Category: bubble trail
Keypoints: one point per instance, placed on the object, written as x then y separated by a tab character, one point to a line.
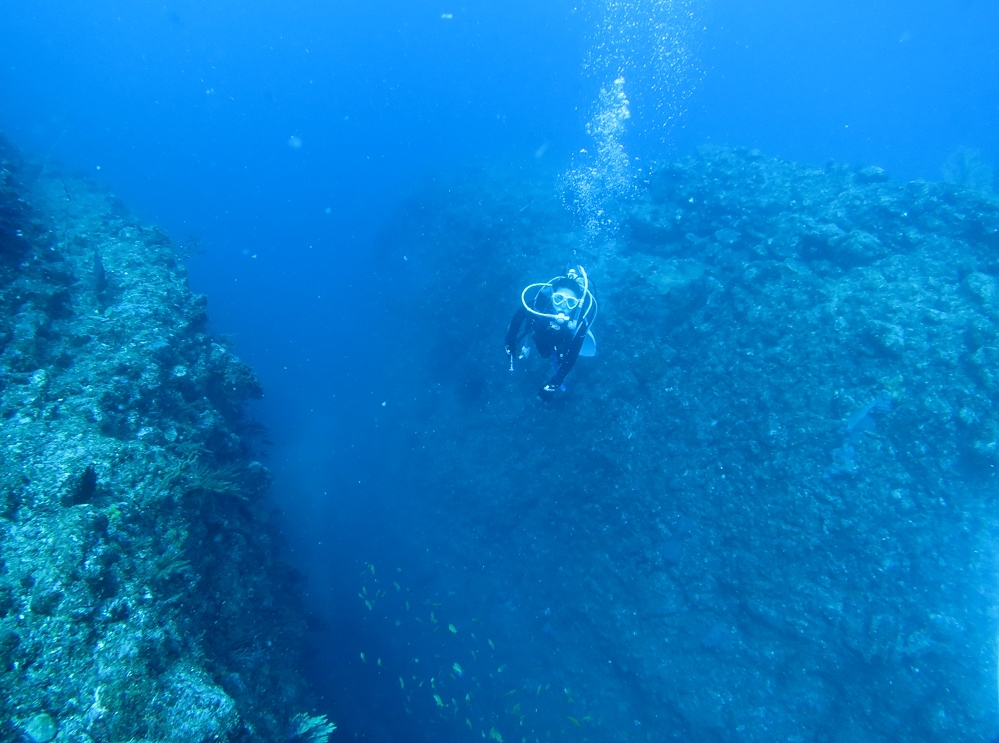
651	44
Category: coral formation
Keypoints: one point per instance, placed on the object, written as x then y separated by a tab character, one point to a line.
700	561
139	594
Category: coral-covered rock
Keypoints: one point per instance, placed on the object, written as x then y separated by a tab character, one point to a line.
136	555
765	510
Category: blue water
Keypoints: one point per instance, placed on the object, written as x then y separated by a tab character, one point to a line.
282	138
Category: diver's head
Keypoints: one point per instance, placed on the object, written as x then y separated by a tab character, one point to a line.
565	300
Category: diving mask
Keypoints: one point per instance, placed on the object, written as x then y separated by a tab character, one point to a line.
564	301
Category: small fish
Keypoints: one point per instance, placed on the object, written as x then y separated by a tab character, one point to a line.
588	718
568	695
364	590
516	710
371	567
511	692
433	618
453	630
398	570
457	669
368	604
575	722
363	659
477	621
379	662
402	684
473	654
397	586
437	698
495	735
469	723
468	698
436	606
407	606
539	690
492	645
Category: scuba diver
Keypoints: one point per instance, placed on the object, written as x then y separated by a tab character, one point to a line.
559	314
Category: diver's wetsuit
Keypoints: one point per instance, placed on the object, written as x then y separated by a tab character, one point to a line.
549	337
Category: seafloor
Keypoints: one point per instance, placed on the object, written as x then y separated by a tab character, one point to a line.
140	598
765	511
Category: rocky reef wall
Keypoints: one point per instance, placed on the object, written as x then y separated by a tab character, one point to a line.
766	510
140	594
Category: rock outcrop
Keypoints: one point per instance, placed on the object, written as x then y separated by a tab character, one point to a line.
140	595
766	509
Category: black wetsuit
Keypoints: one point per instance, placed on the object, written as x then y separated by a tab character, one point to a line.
550	338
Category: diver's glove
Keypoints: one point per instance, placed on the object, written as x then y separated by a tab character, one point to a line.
547	392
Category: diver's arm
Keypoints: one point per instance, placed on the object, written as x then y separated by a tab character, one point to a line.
511	335
569	357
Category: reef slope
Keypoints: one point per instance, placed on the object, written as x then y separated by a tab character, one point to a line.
766	509
140	597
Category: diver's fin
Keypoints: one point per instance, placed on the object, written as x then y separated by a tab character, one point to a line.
589	345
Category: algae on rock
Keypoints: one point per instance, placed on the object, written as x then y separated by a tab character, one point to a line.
140	595
769	499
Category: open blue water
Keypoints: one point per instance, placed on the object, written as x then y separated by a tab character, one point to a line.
284	139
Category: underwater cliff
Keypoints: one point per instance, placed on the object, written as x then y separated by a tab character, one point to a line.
766	510
140	595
